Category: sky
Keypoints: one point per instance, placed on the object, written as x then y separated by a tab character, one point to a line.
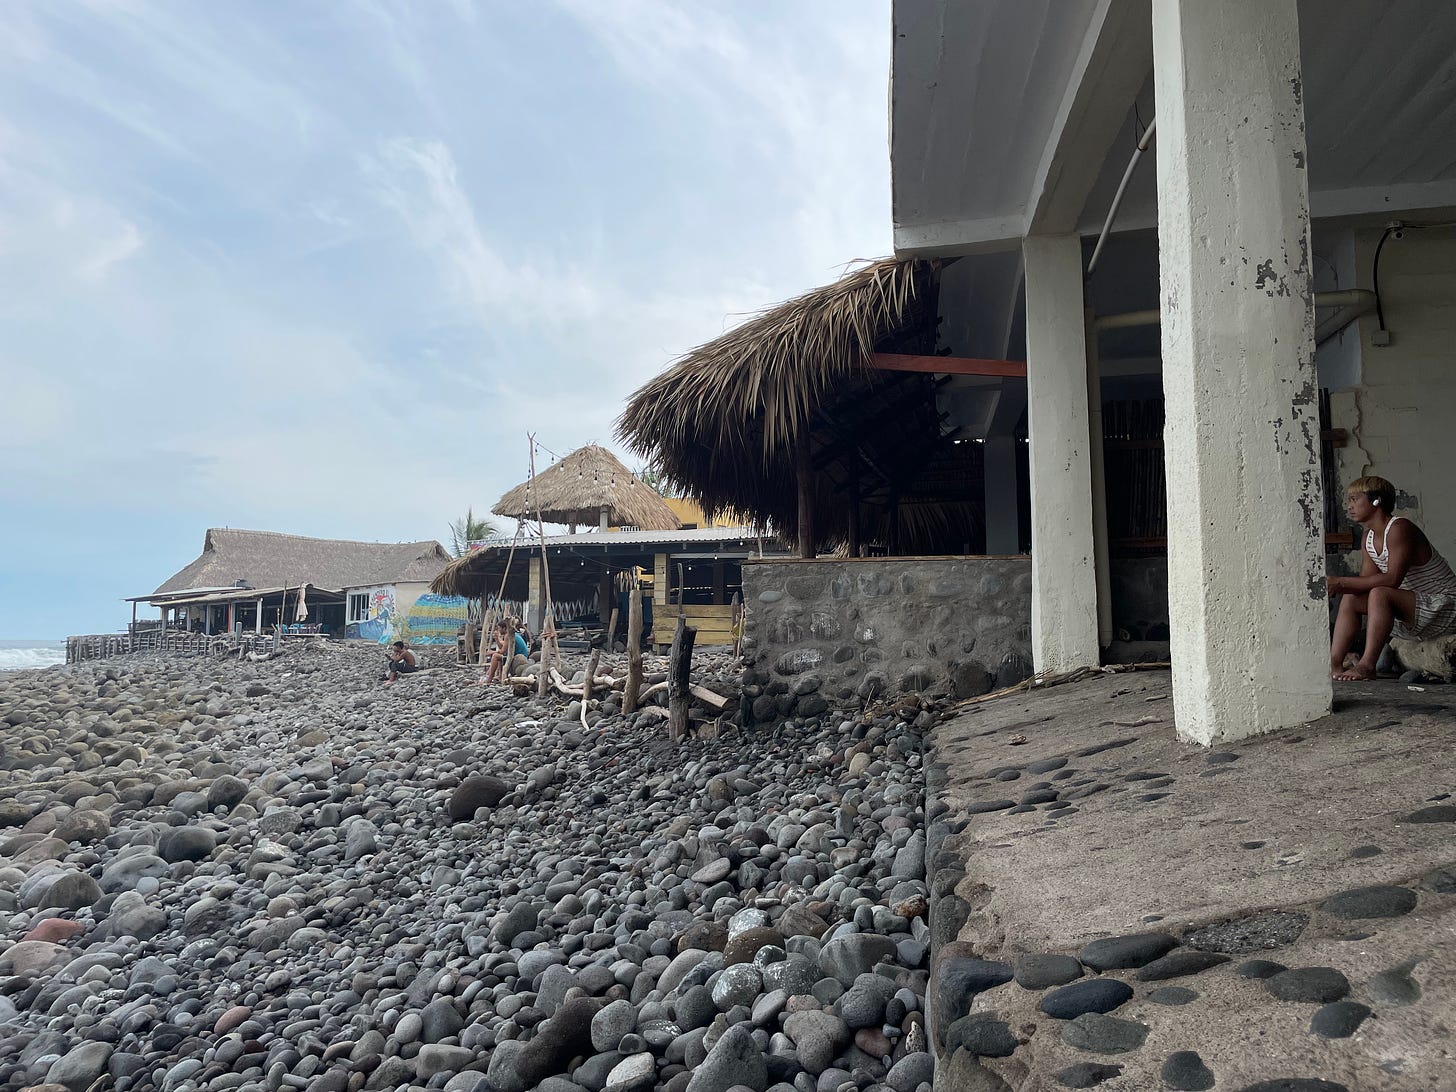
320	268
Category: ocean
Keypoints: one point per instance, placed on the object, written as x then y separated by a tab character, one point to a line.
24	655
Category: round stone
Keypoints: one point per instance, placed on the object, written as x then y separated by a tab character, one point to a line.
1379	901
1317	984
981	1036
1039	971
1259	969
737	985
1099	1034
1177	964
1172	995
1338	1020
1184	1070
1120	953
1087	1074
1094	995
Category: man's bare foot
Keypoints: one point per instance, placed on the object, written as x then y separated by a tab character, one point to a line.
1358	673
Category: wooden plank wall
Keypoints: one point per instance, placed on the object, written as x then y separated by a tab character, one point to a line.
714	623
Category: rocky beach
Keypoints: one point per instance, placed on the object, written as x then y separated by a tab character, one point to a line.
283	875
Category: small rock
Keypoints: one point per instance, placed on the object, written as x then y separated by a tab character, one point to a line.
1087	1074
1094	995
1037	972
1184	1070
1177	964
1101	1034
1338	1020
1380	901
1318	984
1120	953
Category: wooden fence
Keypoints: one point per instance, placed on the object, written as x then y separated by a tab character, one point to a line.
102	646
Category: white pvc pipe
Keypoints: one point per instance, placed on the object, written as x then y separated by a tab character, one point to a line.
1137	154
1350	297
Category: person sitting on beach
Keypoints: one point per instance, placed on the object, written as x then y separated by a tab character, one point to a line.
1405	588
509	656
401	661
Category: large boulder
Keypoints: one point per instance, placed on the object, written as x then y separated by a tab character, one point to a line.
474	793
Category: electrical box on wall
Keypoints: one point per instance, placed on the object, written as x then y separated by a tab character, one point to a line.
1380	338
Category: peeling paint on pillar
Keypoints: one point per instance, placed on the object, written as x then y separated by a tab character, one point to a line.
1246	556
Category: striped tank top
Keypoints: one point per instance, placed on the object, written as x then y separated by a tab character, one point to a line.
1433	585
1433	578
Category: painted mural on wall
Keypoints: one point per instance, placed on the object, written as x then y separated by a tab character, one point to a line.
434	619
381	621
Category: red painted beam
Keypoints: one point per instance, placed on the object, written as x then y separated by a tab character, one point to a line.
948	365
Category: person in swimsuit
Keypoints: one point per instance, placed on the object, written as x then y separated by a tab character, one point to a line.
1405	588
510	654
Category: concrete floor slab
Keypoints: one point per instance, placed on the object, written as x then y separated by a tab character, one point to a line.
1149	834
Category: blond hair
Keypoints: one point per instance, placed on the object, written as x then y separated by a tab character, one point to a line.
1379	490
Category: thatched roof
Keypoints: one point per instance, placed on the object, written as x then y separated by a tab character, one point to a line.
727	420
576	489
266	559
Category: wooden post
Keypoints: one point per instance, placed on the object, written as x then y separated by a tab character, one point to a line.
548	622
806	499
634	647
606	605
679	678
739	617
258	621
854	531
720	582
586	687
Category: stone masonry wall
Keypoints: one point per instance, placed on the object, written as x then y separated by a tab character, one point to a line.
822	633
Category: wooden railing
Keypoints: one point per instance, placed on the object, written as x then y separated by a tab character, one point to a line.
102	646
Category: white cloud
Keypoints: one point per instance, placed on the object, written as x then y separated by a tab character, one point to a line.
323	273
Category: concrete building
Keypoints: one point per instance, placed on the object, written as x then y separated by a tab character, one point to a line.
1238	211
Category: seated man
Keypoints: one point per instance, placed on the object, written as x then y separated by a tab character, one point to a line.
511	652
1405	588
401	661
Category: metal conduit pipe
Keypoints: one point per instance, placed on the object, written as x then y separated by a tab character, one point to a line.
1137	154
1360	299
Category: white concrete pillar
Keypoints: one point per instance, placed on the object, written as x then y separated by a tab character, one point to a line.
1246	570
1002	499
1063	573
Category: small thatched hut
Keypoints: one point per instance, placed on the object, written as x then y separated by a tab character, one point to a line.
589	487
795	419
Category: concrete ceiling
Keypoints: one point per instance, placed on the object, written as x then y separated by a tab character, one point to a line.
989	98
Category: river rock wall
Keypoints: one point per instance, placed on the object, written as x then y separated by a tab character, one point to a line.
829	631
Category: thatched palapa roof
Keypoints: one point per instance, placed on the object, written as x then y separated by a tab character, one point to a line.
729	420
580	485
266	559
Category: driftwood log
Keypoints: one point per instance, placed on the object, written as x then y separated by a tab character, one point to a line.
634	650
679	678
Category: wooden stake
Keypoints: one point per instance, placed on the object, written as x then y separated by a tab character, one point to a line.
586	687
634	646
679	678
549	647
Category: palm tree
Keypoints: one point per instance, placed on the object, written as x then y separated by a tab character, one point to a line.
468	529
655	480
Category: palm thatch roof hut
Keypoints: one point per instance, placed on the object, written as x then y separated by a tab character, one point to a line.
591	487
788	419
269	559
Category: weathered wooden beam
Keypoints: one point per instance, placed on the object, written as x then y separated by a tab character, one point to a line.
634	647
948	365
679	678
806	500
